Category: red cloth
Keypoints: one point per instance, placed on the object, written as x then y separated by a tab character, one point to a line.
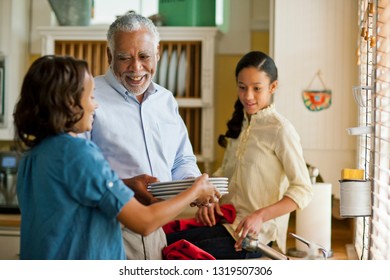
229	214
184	250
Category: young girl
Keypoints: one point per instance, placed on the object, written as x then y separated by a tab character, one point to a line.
268	177
72	203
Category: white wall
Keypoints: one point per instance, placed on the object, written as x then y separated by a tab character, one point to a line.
237	39
241	17
41	15
14	19
318	35
105	13
260	15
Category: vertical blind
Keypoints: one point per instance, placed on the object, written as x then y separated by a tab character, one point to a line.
380	247
373	233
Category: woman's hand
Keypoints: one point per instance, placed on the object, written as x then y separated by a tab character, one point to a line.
251	226
207	193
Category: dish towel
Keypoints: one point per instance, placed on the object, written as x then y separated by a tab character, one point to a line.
185	250
229	214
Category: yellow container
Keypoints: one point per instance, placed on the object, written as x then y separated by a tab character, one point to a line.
352	174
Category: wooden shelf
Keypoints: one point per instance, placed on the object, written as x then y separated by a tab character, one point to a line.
196	103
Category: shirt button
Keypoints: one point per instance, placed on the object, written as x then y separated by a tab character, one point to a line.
110	184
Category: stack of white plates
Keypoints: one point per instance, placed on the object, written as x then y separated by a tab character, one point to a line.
166	190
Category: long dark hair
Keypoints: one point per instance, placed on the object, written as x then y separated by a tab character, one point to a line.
261	62
49	101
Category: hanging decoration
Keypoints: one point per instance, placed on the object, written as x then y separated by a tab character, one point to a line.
317	99
366	31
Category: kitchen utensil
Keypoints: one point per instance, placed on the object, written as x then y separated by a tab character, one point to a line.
172	72
181	74
254	245
8	173
163	69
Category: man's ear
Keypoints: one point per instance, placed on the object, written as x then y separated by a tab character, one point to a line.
109	55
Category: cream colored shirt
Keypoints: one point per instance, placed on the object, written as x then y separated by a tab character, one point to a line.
264	164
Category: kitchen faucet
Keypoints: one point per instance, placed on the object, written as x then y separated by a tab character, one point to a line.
254	245
314	248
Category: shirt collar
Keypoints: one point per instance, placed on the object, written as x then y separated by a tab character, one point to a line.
261	113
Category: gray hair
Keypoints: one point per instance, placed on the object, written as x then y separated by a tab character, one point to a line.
131	21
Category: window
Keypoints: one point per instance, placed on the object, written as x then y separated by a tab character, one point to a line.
105	11
373	233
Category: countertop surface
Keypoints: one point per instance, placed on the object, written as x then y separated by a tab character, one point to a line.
9	220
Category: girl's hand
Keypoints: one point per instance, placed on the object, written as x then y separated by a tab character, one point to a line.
250	225
206	215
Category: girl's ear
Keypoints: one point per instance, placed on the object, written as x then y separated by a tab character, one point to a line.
273	86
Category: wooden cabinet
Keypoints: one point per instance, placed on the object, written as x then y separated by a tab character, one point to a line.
186	68
9	236
9	243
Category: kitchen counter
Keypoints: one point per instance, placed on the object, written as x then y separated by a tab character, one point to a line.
9	220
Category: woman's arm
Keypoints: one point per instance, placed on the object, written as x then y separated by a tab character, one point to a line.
146	219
